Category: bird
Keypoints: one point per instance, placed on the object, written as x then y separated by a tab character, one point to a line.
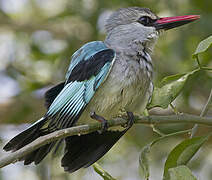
104	79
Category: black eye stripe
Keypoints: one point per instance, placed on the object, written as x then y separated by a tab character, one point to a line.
146	20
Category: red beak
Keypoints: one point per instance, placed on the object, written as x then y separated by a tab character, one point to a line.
172	22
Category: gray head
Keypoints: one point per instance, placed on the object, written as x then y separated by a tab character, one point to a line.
134	25
129	15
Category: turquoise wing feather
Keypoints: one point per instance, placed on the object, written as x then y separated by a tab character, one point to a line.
88	69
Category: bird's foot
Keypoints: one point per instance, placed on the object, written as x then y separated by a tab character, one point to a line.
130	121
101	119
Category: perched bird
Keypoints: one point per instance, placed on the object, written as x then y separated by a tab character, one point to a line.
103	80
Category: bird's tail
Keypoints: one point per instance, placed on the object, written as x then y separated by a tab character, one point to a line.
84	150
26	137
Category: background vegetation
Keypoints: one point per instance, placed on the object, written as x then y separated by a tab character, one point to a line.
37	39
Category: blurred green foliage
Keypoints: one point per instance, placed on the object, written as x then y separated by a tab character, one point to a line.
37	39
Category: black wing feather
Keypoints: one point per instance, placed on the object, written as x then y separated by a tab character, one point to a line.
82	151
85	69
52	93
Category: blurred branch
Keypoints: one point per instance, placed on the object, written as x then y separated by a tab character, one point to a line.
58	31
84	129
207	106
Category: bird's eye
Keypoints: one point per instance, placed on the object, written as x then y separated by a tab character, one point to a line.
146	20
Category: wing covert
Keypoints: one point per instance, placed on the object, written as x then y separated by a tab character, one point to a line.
85	53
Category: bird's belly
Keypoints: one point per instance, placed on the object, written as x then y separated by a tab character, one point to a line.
104	103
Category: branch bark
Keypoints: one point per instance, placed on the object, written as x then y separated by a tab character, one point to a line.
84	129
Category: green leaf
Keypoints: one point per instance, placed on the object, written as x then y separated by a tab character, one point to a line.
144	156
183	152
170	88
169	79
181	173
105	175
203	46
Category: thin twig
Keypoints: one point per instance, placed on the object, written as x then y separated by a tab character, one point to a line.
203	113
206	68
84	129
198	61
174	108
154	128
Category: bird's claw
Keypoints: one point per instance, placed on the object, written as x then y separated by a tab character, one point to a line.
101	119
104	127
131	120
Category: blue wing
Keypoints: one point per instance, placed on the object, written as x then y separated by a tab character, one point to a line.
88	69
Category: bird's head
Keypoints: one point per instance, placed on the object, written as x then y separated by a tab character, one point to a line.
141	25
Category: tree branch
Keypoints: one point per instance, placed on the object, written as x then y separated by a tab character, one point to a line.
84	129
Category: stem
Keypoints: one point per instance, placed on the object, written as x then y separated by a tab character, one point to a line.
174	108
197	58
155	129
206	68
169	135
105	175
203	113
